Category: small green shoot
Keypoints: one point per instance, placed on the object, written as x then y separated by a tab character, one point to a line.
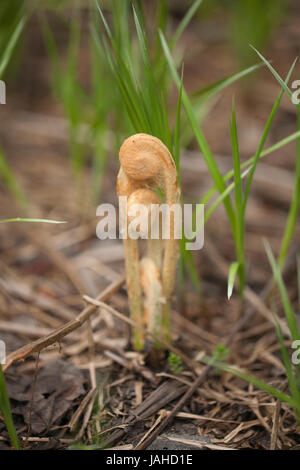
6	412
294	206
175	363
10	180
288	309
221	352
233	269
5	58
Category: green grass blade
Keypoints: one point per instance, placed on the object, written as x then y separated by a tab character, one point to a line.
236	164
220	198
203	99
298	277
288	310
124	78
207	92
177	129
294	207
238	197
211	192
155	105
11	182
276	75
264	137
120	17
293	386
11	45
260	384
6	412
187	263
233	269
184	22
143	101
107	28
200	138
20	219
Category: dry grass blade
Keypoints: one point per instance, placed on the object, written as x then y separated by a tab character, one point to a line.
81	408
274	435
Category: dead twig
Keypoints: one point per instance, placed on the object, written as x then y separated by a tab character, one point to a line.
81	408
274	434
59	333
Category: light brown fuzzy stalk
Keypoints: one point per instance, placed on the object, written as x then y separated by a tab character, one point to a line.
152	288
124	188
146	164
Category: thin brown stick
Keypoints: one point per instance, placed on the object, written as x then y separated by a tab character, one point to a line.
64	330
32	394
274	434
81	409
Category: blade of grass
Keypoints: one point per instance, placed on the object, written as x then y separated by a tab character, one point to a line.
288	310
254	160
155	103
210	193
264	137
187	263
126	82
203	94
177	130
144	104
160	61
239	227
6	412
11	44
120	17
276	75
293	386
20	219
294	206
200	138
233	269
11	182
204	98
250	379
184	23
298	277
220	199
